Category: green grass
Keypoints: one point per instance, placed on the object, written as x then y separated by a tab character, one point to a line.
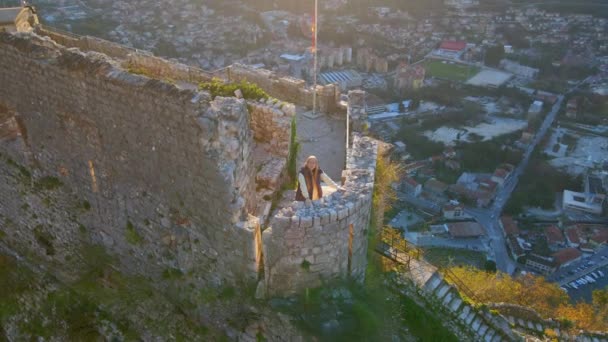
453	72
445	256
422	325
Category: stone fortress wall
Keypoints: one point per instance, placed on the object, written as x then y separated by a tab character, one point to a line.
168	167
305	246
288	89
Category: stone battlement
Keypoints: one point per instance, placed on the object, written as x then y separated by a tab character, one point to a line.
305	246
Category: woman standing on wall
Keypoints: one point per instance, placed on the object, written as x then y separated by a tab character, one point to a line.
309	181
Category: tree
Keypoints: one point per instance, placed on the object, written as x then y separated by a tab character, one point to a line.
494	55
490	266
600	299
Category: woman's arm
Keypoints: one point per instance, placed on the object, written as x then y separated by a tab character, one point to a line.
302	183
325	178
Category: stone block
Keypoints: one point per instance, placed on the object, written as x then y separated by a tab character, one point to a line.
306	221
470	318
442	291
325	218
433	282
455	304
447	299
489	335
476	324
482	330
530	325
464	313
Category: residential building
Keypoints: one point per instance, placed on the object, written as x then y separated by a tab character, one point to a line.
573	238
500	176
514	247
509	226
566	257
435	187
411	186
465	230
409	76
439	229
542	265
588	203
600	237
454	212
572	108
555	238
535	109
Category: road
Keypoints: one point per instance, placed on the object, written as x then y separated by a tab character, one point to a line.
490	218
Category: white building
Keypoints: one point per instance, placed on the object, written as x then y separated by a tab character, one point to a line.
589	203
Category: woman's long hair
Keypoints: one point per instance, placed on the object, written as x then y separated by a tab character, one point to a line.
316	170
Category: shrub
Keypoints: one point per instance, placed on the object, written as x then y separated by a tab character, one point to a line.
44	239
47	183
305	265
86	205
132	235
172	273
250	91
292	159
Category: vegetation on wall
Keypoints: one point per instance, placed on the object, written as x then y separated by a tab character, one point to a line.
218	87
536	293
292	159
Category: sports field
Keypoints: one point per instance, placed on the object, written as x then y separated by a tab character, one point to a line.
454	71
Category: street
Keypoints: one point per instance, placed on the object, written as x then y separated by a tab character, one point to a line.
490	218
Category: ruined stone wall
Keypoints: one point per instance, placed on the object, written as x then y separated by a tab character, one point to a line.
305	246
271	124
287	88
164	69
85	43
166	173
357	110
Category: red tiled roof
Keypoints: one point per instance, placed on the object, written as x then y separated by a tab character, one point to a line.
435	185
507	167
509	225
501	173
572	234
566	255
488	184
600	236
453	45
517	250
554	235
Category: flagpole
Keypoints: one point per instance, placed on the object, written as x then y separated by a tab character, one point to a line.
314	48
